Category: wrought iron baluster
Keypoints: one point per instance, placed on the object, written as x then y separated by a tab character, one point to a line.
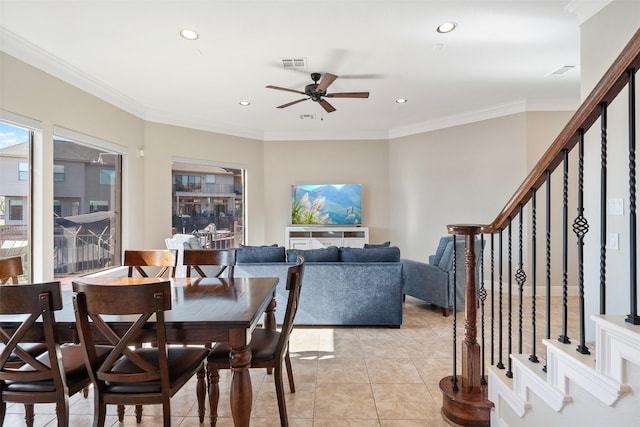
509	372
581	227
603	208
533	357
548	254
565	263
521	277
500	365
454	377
493	316
483	297
633	262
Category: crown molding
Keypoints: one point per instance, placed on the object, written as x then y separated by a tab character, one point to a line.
33	55
585	9
491	112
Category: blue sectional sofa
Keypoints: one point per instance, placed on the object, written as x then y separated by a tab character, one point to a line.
341	286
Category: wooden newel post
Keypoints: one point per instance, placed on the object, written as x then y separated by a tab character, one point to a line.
467	405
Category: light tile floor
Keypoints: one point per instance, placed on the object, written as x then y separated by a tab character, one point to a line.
351	377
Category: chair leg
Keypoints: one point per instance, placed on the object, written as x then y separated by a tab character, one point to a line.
213	379
282	405
28	414
166	412
62	412
200	392
445	311
138	414
287	362
121	413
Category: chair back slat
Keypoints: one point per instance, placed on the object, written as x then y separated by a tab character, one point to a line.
223	258
165	259
295	274
10	270
94	302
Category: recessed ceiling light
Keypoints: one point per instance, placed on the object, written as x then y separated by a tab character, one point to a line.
244	103
401	100
189	34
447	27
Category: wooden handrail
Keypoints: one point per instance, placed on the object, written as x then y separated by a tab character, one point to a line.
605	91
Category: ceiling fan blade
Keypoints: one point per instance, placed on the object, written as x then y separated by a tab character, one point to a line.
326	80
348	95
327	107
284	88
291	103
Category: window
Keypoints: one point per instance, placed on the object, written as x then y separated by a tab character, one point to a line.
58	173
16	210
86	205
188	183
216	213
15	189
23	171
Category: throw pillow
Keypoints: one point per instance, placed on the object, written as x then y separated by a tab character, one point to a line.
247	255
377	245
390	254
330	254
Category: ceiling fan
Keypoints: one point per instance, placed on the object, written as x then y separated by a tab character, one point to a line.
318	91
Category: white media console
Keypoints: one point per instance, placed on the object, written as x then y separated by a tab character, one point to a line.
301	237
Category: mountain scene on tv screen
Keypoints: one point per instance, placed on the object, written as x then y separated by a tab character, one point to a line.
326	204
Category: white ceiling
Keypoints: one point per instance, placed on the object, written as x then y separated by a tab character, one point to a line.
129	53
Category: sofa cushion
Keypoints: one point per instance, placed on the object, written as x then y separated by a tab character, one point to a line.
329	254
391	254
446	260
377	245
257	254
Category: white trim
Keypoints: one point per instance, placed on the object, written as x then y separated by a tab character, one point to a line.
26	122
201	162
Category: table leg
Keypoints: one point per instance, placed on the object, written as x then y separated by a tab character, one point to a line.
241	391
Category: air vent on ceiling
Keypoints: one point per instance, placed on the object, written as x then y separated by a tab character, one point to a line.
297	62
307	116
561	70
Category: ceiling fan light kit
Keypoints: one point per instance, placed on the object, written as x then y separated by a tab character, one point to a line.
317	91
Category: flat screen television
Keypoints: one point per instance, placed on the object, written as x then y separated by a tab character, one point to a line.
329	204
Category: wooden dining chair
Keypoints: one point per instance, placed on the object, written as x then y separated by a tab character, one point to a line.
137	262
51	377
10	270
149	375
194	259
269	349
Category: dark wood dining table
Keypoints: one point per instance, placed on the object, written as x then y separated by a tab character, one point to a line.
203	311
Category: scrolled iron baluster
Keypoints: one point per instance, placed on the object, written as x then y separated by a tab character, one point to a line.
633	261
521	277
483	296
492	302
581	228
454	377
509	372
565	219
500	365
603	208
533	357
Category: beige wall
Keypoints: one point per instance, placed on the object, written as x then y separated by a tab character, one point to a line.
327	162
31	93
165	143
460	175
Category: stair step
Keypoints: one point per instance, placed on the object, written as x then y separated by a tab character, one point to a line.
530	377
